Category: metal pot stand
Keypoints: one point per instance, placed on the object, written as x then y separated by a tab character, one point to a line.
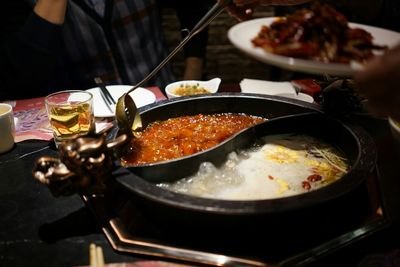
128	231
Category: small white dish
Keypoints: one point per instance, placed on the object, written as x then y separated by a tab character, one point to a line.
210	85
254	86
140	96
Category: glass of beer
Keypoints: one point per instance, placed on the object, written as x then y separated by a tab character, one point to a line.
70	114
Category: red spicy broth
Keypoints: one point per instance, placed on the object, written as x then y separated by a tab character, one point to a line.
183	136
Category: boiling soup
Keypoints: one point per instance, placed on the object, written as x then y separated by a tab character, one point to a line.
280	166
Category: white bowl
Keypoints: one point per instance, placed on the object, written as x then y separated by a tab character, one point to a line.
211	86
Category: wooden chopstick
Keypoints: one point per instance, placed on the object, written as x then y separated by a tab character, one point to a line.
96	256
105	94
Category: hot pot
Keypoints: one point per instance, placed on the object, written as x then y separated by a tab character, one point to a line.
305	218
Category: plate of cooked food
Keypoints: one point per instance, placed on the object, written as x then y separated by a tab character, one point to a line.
317	40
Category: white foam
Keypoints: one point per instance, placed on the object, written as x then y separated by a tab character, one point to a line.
276	169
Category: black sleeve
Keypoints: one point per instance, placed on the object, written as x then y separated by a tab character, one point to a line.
28	49
189	13
390	15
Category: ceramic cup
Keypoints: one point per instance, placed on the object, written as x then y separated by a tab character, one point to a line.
7	128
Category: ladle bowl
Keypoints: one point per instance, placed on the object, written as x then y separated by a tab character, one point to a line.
128	117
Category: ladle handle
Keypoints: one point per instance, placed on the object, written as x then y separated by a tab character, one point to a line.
204	22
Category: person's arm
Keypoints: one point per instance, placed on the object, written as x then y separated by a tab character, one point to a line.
269	2
243	9
379	83
366	10
52	11
189	13
28	46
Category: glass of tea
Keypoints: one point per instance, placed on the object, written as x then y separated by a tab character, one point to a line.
70	114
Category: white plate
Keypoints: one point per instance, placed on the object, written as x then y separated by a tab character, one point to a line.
141	96
242	33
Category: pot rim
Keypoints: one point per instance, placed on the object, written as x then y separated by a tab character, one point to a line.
276	98
171	101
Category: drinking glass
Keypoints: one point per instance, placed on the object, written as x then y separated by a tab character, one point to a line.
70	114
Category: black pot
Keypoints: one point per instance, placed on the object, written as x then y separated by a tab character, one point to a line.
302	219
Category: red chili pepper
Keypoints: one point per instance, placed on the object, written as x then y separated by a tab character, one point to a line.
314	178
306	185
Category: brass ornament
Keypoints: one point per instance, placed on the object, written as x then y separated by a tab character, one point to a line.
84	165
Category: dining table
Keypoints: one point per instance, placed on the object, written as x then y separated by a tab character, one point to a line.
40	229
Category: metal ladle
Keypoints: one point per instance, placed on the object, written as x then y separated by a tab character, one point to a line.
128	117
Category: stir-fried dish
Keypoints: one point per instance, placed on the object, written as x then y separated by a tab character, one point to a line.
319	33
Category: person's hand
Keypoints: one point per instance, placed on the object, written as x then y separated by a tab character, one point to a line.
243	9
51	10
270	2
379	83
